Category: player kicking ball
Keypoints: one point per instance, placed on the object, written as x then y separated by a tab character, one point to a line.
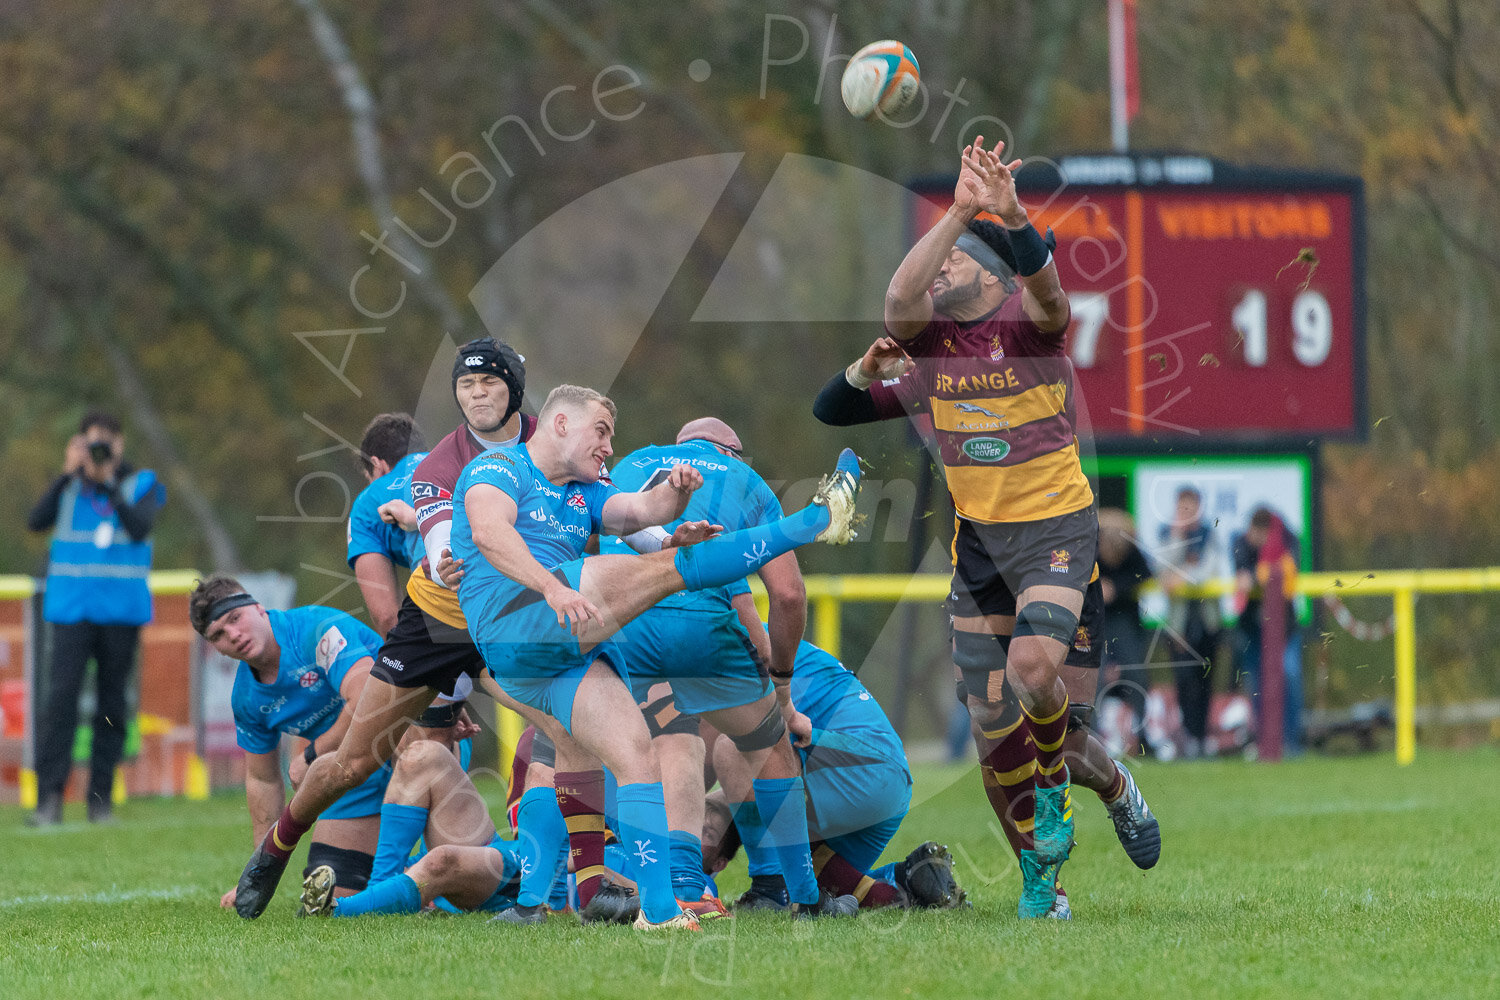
544	616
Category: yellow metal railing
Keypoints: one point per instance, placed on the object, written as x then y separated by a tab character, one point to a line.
828	594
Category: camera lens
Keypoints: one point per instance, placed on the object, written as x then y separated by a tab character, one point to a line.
100	451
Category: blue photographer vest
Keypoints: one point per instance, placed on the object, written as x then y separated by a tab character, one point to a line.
95	573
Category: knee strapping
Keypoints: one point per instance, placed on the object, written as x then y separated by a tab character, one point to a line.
351	869
663	719
1048	620
770	732
1080	716
977	655
543	752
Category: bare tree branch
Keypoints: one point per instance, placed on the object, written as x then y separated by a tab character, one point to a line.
368	159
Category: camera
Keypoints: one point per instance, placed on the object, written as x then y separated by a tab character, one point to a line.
101	451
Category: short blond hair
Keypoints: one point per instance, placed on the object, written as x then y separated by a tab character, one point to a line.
575	396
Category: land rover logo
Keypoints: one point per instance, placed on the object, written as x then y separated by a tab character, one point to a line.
986	449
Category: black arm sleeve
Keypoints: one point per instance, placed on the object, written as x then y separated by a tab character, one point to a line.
44	515
137	517
840	404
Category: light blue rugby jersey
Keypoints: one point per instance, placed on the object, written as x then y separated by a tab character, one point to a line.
318	647
368	533
732	494
836	702
555	522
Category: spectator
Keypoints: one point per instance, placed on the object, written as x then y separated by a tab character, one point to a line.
1266	541
1185	558
1122	571
96	601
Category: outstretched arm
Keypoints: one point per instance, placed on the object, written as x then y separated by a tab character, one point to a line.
908	299
845	399
492	518
1042	296
626	513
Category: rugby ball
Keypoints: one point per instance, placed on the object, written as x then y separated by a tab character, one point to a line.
881	79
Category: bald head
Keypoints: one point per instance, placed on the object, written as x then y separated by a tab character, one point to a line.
712	430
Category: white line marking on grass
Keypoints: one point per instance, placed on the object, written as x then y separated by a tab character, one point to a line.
1343	808
110	896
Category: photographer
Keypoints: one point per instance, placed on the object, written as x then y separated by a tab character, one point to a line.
96	600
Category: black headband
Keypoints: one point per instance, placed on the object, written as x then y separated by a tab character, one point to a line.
218	609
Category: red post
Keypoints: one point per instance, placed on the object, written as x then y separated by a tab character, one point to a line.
1271	569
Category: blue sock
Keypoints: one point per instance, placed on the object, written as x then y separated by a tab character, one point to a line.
753	838
400	828
885	873
783	807
730	557
394	895
557	896
647	847
688	882
539	830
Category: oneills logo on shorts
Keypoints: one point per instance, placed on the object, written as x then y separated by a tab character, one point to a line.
1060	560
395	665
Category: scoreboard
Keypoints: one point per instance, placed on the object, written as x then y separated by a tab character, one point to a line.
1212	304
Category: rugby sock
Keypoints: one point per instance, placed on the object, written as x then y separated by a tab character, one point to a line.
400	826
783	807
281	839
688	882
1008	769
580	799
540	827
643	835
396	895
752	838
723	560
1116	788
843	879
1048	733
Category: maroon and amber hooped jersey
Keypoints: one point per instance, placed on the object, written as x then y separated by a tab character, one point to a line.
432	497
1000	396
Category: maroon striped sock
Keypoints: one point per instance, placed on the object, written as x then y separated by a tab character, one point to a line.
1048	732
281	839
580	796
1008	769
843	879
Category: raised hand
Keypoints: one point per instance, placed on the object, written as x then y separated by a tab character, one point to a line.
996	179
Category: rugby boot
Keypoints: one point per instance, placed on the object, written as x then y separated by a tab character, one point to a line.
838	493
523	916
317	893
612	904
828	905
258	883
684	921
1137	828
1054	823
926	878
1038	887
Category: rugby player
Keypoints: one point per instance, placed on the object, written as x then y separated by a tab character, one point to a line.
544	616
301	673
981	310
382	525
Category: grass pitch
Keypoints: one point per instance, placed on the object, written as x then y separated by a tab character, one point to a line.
1314	878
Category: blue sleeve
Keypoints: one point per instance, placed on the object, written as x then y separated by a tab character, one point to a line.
367	532
770	507
598	495
334	642
146	482
498	470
